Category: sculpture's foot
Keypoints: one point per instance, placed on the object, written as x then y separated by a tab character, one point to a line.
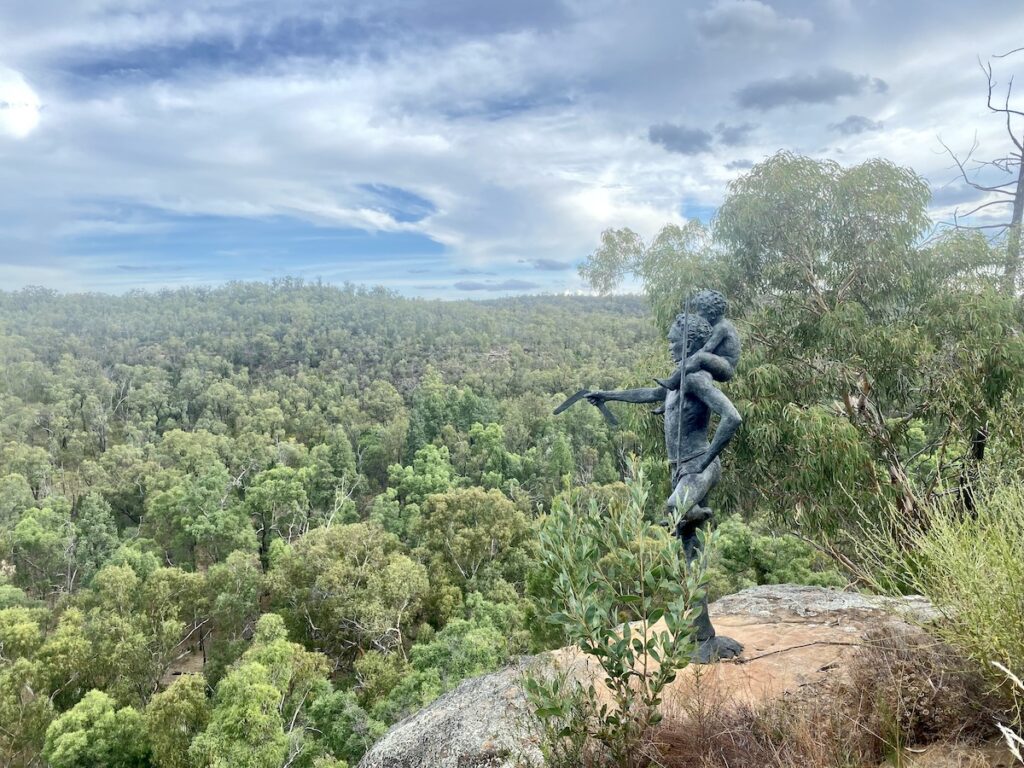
715	649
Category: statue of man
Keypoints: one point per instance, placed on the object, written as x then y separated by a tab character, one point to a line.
694	462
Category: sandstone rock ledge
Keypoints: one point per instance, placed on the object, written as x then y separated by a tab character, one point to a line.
794	637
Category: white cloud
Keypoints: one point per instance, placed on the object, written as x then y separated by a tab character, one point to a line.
527	141
19	105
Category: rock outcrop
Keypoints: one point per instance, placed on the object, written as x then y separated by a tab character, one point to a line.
794	638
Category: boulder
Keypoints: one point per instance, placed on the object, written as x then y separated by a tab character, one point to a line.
794	638
482	723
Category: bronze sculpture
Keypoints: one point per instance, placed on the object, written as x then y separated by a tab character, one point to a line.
703	355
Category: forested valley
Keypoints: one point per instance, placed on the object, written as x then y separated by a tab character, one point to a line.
257	524
295	490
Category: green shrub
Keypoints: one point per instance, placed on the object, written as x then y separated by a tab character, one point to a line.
625	597
969	564
95	734
744	557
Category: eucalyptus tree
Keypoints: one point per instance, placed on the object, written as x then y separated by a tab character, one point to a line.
874	359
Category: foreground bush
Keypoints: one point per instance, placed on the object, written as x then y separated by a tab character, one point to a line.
968	563
625	596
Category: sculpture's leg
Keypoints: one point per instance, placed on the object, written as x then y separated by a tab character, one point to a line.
711	647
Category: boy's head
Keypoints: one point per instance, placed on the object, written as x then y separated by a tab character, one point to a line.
711	305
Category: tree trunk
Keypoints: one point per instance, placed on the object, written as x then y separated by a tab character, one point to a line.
1013	234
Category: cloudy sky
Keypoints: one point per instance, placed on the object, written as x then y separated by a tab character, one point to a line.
447	147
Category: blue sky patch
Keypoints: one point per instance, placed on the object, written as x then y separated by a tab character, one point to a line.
212	249
401	204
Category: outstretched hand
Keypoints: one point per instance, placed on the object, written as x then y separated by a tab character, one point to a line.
596	398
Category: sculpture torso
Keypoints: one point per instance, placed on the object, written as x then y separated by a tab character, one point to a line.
691	436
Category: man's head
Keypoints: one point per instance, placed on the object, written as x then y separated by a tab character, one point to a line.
711	305
698	329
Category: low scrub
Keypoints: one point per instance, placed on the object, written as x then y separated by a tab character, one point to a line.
625	596
903	689
967	562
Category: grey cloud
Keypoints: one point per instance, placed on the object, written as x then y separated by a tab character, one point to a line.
953	194
418	271
504	285
734	135
680	138
822	87
296	137
548	265
467	271
749	20
856	124
739	165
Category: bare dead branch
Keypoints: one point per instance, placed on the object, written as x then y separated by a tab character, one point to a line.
1003	164
1009	117
986	205
983	226
987	69
963	170
1008	53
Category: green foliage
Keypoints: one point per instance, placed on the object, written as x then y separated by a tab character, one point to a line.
968	565
346	588
798	226
624	596
25	714
56	549
436	405
260	714
678	258
471	537
346	730
232	592
15	499
331	470
173	718
277	503
745	557
187	513
134	627
159	452
95	734
246	727
485	638
431	472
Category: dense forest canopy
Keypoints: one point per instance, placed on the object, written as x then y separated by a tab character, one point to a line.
363	471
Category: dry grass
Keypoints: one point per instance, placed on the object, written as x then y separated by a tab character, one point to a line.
904	689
